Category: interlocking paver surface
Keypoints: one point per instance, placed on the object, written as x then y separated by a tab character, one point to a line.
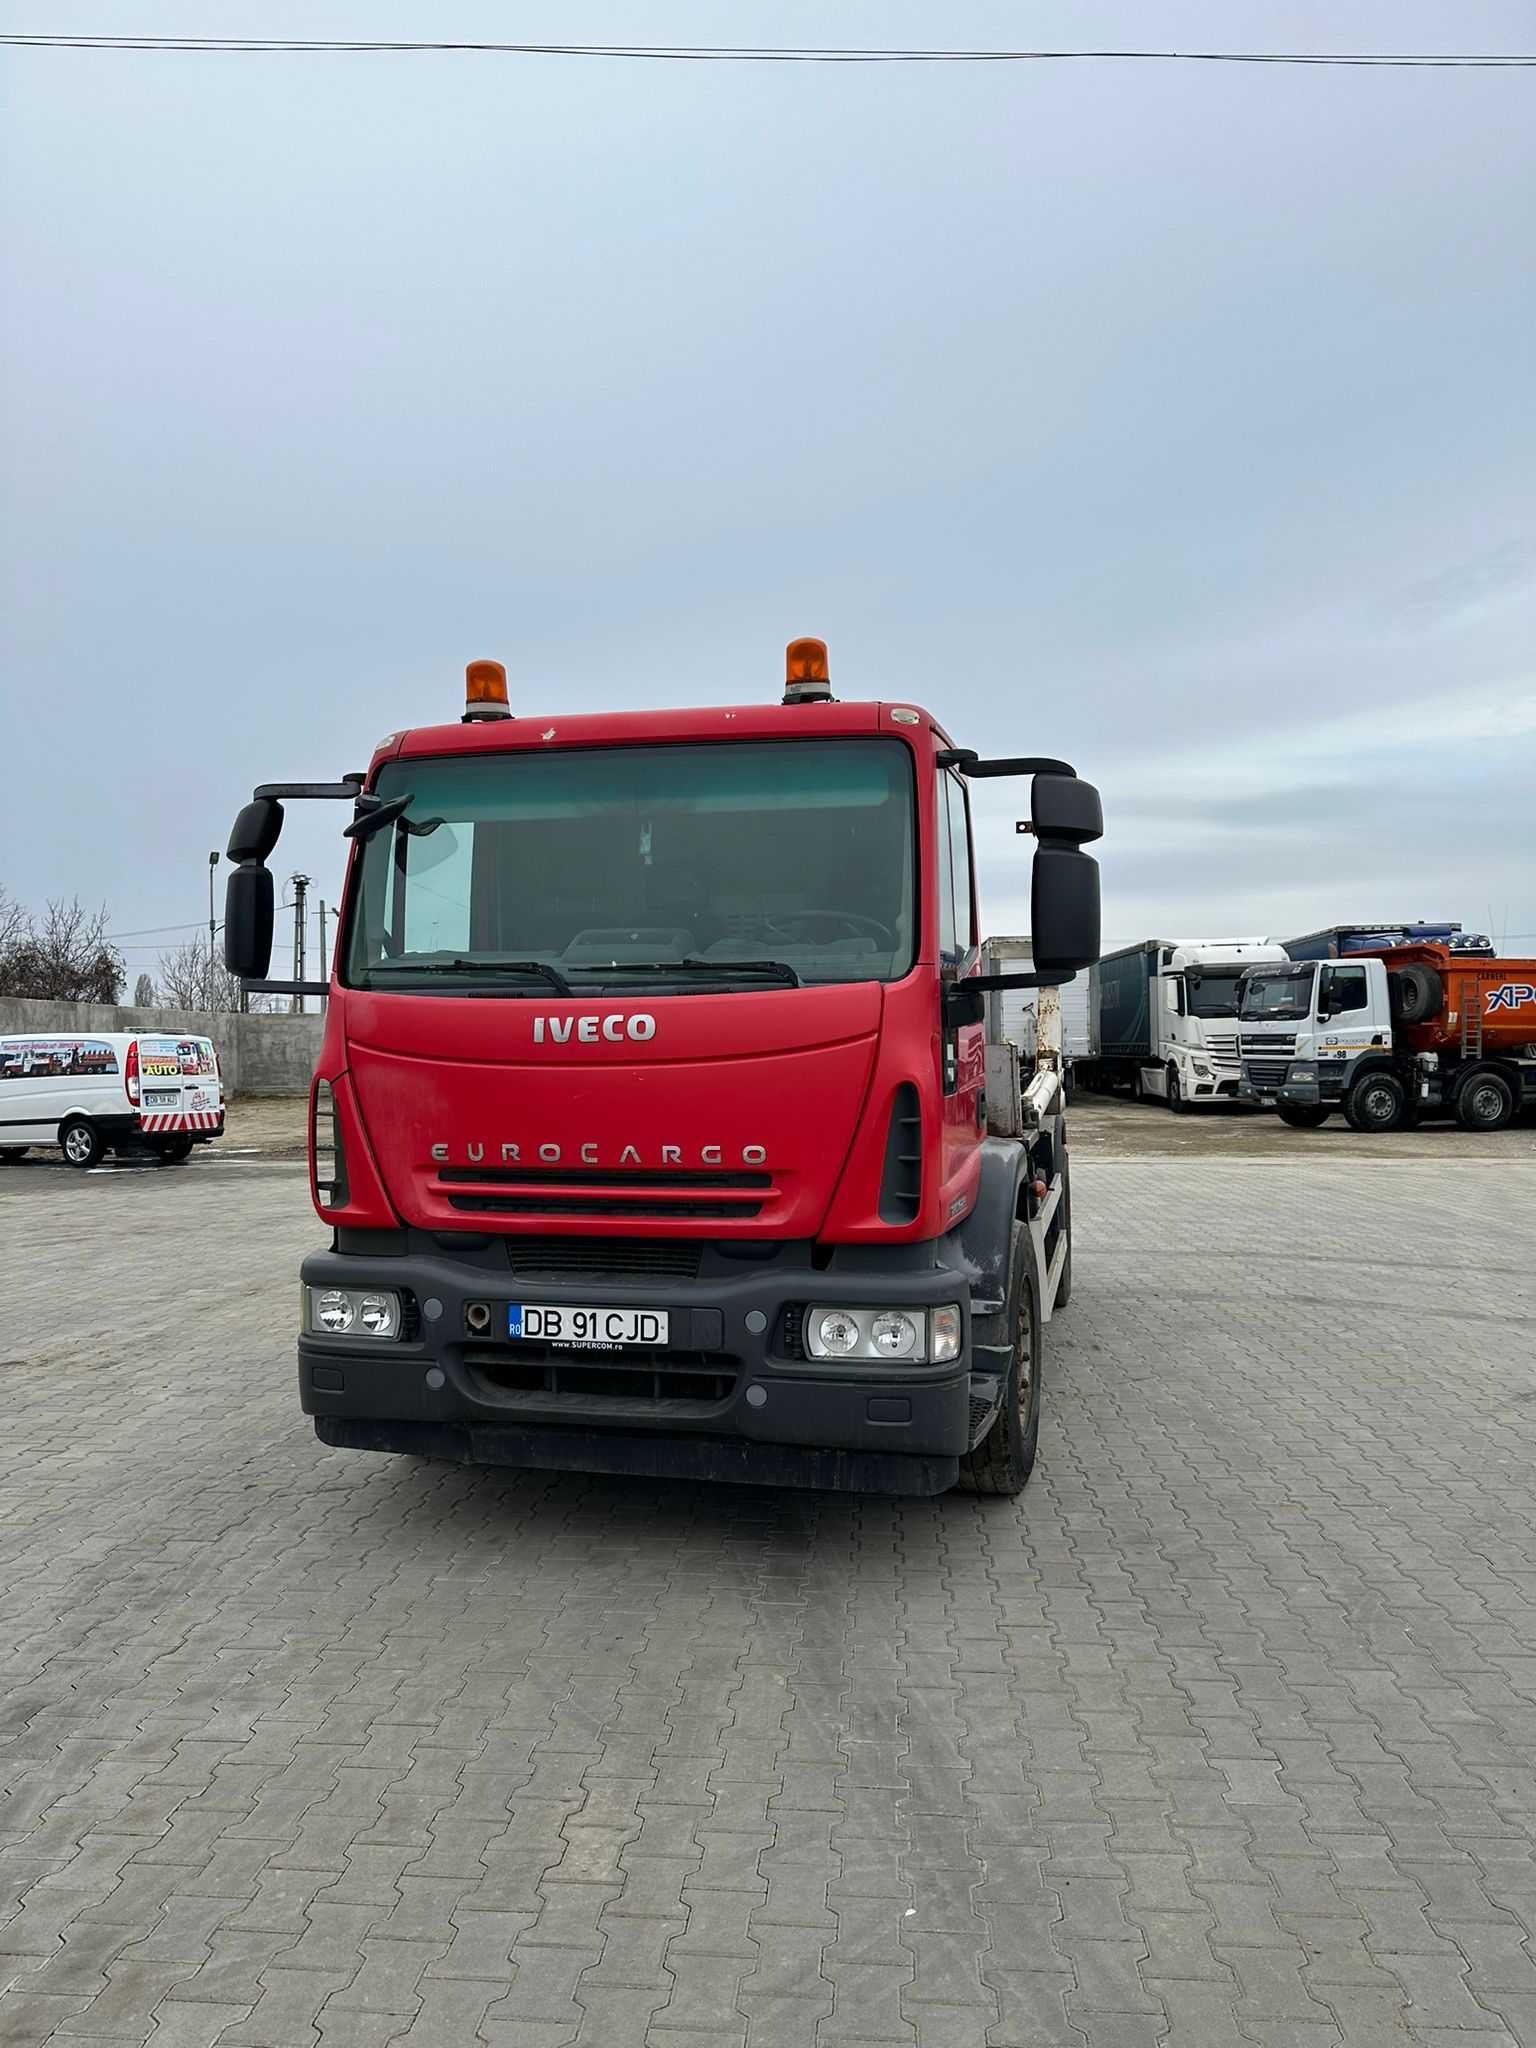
1225	1732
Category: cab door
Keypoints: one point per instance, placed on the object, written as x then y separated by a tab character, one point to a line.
963	1050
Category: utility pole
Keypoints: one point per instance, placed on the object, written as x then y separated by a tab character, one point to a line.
213	863
325	958
300	893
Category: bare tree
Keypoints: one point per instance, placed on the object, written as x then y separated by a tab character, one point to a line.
64	956
144	993
189	980
15	925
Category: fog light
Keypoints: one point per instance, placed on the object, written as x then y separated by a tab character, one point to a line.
893	1334
333	1310
838	1333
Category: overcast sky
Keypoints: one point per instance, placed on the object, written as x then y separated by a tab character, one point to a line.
1179	420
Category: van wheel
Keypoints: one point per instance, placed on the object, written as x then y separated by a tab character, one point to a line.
1486	1102
11	1153
1302	1116
81	1142
1375	1103
1002	1462
174	1150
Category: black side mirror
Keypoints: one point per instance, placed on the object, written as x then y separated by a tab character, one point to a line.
1064	888
1064	910
248	911
1065	808
256	830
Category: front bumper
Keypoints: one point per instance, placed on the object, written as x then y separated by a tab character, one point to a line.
727	1399
1326	1087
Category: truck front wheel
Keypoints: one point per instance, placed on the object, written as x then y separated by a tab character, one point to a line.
1302	1116
1486	1102
1002	1462
1377	1102
1176	1100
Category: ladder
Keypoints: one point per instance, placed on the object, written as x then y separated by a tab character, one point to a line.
1472	1019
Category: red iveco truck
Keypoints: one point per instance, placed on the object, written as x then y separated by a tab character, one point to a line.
654	1124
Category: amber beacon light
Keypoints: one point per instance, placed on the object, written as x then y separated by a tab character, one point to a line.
485	691
805	673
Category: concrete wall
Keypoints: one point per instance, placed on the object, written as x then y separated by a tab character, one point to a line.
259	1055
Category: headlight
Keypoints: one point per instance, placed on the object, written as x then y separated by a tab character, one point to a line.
1200	1067
352	1311
908	1336
1303	1071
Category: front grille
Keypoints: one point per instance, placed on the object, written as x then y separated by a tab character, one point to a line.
1272	1042
1268	1073
604	1258
661	1378
602	1205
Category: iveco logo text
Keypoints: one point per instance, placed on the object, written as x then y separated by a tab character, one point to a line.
591	1153
588	1030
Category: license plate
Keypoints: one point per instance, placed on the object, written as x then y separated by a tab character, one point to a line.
589	1329
162	1098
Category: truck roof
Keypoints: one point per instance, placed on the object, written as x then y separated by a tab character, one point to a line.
771	721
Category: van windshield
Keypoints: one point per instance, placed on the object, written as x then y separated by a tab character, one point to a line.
1272	993
733	866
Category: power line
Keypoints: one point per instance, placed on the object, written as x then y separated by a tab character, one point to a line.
684	53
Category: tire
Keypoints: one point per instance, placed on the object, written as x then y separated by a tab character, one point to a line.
1175	1097
10	1154
1001	1463
174	1151
80	1142
1303	1116
1414	994
1376	1103
1485	1101
1138	1086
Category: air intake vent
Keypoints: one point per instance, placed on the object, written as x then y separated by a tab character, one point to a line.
901	1185
604	1258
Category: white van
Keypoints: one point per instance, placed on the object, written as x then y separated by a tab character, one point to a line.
88	1091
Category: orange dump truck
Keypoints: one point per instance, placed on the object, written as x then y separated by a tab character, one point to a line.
1391	1036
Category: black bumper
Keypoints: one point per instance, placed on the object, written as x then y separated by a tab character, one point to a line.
766	1416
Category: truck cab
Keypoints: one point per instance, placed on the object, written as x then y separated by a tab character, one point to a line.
1311	1032
1196	1055
652	1125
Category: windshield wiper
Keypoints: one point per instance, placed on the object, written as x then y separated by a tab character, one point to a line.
758	970
485	968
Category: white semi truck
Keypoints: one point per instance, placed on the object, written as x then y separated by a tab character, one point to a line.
1165	1019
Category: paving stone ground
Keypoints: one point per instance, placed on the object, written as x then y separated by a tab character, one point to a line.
1224	1733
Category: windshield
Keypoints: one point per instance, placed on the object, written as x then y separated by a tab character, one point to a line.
1212	991
601	868
1272	993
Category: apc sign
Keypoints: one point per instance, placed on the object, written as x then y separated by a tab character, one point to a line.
1513	995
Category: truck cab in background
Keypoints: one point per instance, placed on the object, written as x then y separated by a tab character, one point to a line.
1390	1037
1165	1019
654	1128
